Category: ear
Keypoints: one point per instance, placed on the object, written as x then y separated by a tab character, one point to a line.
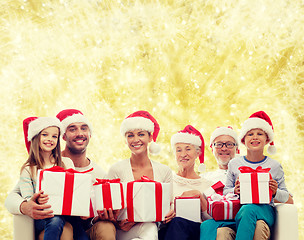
150	138
64	137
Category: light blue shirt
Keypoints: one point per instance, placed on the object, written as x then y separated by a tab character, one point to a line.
276	171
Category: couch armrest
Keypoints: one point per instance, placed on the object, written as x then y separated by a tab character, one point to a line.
23	227
286	224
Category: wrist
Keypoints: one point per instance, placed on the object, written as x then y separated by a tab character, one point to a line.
22	207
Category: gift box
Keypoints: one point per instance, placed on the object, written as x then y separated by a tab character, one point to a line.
146	201
188	208
254	185
108	194
68	190
218	188
221	207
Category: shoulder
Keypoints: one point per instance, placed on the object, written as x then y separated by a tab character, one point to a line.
120	165
68	162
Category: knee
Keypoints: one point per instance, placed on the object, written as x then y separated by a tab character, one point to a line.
262	231
67	233
246	211
225	233
103	230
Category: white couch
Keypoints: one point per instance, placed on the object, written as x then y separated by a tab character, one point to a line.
286	226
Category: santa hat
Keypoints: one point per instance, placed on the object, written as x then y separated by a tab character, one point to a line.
144	121
192	136
32	126
69	116
259	120
220	131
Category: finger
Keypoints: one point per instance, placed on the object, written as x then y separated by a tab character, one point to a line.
110	214
105	213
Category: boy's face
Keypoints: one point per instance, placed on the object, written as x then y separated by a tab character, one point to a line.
256	139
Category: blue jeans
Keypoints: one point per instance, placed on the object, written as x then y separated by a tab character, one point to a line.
180	229
245	222
52	227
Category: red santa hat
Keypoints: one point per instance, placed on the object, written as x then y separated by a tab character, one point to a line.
145	121
262	121
220	131
32	126
192	136
69	116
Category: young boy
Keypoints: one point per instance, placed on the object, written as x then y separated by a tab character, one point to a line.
256	133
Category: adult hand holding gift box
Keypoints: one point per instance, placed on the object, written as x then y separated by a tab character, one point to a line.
254	185
146	200
68	190
108	194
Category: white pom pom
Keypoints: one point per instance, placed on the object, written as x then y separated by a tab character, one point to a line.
201	167
154	148
271	149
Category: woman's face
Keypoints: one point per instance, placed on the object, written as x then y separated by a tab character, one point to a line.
138	141
186	155
48	139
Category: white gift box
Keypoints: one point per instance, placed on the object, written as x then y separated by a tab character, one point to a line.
109	195
68	192
188	208
254	188
146	201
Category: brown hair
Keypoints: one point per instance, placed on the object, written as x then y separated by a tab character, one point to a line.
35	160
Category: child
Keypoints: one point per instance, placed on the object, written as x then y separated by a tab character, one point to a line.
256	133
42	142
139	129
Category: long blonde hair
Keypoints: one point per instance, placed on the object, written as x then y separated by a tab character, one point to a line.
35	160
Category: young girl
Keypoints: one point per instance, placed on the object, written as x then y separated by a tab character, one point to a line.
139	129
256	133
42	142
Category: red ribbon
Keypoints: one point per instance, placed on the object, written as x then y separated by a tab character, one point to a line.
106	191
158	198
254	181
68	186
218	187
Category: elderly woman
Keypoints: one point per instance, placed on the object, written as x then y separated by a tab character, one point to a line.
188	145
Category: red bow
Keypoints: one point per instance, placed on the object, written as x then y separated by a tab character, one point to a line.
245	169
103	181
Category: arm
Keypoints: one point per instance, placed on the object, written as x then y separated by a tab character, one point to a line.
230	181
278	186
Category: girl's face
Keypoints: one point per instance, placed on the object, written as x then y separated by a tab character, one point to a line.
185	154
138	141
48	139
256	139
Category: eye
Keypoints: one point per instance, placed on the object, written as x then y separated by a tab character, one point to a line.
178	150
130	135
141	134
85	128
55	136
44	134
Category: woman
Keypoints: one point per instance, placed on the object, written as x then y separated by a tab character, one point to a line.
188	145
140	130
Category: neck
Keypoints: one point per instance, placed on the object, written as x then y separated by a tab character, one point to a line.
139	160
224	167
188	173
255	156
47	157
79	159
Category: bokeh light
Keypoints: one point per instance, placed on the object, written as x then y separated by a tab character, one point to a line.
205	63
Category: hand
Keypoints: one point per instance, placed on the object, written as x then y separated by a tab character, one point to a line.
34	210
84	218
109	215
170	215
203	203
125	225
237	186
191	193
273	185
43	198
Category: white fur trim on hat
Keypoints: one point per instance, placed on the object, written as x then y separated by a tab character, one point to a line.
154	148
224	131
37	125
253	123
181	137
133	123
75	118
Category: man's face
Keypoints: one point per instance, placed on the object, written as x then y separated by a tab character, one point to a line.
77	137
223	155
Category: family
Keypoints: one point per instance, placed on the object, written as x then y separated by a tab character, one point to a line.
140	130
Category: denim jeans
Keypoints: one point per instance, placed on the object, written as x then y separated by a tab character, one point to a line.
52	227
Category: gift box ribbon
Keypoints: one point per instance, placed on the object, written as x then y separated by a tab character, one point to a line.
158	198
106	191
254	180
68	185
227	204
